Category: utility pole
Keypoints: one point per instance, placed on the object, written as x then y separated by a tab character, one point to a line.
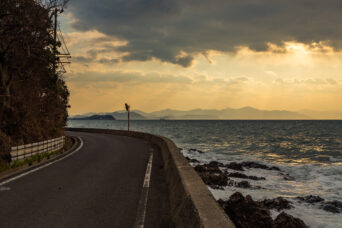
55	42
58	37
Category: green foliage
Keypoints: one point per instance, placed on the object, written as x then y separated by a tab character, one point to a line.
37	158
34	99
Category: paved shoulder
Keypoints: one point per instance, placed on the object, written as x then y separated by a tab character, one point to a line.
100	186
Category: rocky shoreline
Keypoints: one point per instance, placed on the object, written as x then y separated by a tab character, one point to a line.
243	210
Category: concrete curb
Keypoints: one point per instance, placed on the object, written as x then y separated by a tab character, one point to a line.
191	203
36	165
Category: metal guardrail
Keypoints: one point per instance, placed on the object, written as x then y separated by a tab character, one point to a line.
28	150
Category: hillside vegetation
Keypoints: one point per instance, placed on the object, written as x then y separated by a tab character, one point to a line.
33	98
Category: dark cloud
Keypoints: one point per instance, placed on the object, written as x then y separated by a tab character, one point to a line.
175	30
127	77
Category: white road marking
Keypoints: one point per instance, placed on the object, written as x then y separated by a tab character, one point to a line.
43	166
4	189
142	206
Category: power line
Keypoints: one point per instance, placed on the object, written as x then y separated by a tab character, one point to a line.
58	65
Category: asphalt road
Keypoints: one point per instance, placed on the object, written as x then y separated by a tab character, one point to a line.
99	186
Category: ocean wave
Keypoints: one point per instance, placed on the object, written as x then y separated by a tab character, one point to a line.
308	179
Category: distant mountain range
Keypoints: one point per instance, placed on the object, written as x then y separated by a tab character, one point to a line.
245	113
94	117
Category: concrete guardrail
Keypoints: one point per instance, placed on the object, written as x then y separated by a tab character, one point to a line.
191	203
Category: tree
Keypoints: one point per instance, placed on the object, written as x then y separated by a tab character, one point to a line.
33	98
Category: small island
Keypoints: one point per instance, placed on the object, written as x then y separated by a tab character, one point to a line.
95	117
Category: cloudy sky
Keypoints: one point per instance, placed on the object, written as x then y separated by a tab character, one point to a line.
186	54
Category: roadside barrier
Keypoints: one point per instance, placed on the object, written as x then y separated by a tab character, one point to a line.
28	150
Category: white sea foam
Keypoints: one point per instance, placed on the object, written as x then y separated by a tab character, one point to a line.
309	179
332	159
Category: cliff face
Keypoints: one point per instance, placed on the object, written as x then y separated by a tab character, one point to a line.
33	98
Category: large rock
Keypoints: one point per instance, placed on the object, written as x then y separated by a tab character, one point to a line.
215	164
284	220
287	177
250	165
277	203
214	180
255	165
235	166
310	199
244	176
207	169
192	160
197	151
245	212
243	184
332	206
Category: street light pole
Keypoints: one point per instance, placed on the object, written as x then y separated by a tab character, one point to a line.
127	109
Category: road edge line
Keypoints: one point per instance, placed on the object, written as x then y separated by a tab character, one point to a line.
142	206
42	166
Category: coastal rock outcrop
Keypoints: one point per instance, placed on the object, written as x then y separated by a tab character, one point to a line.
278	203
235	166
310	199
242	184
192	160
245	212
250	165
332	206
255	165
207	169
244	176
216	181
215	164
285	220
213	176
195	150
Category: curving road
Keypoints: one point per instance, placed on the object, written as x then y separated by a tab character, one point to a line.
99	186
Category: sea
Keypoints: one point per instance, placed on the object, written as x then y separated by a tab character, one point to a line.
310	152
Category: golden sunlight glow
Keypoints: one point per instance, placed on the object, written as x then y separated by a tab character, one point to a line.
294	76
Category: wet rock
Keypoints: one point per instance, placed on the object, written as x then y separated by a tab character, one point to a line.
218	187
208	169
274	168
215	164
332	206
285	220
245	212
278	203
235	166
192	160
254	165
197	151
311	199
250	164
214	180
244	176
288	177
243	184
